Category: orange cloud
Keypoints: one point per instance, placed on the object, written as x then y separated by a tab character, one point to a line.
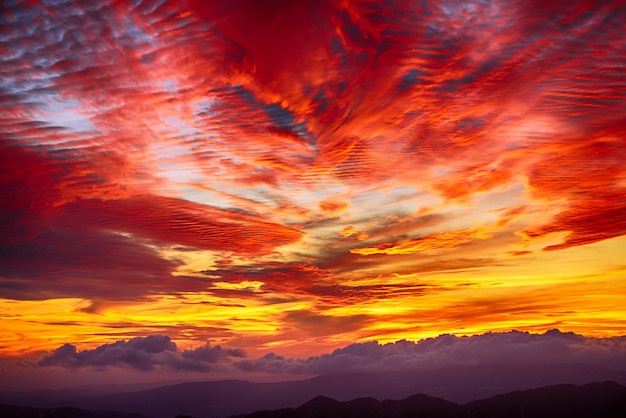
348	231
332	207
429	244
518	253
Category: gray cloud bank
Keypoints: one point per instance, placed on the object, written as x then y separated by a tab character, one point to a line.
514	347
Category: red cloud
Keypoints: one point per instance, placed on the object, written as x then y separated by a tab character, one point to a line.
176	221
52	246
589	179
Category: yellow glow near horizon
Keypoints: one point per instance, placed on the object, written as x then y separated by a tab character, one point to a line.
532	302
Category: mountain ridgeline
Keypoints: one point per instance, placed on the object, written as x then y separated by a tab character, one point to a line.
593	400
600	400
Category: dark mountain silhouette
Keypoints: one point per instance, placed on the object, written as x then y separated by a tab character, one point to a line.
224	398
600	400
44	397
323	407
416	405
11	411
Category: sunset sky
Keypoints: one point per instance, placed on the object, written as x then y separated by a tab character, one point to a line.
292	177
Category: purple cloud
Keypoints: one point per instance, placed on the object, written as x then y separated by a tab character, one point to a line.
143	353
507	348
448	350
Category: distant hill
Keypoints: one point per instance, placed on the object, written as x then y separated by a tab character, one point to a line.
323	407
12	411
231	397
600	400
593	400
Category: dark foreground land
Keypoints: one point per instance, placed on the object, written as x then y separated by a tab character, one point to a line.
458	385
593	400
